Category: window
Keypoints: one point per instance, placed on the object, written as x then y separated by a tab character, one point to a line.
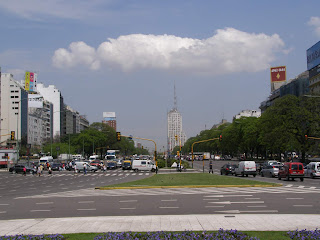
294	167
143	162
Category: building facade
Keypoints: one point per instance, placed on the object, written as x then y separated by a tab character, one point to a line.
175	129
84	123
110	119
53	95
14	110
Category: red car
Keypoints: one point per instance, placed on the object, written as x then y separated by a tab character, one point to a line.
291	170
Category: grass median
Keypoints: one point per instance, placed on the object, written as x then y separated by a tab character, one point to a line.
190	180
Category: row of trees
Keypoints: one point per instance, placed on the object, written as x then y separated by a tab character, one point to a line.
98	138
282	128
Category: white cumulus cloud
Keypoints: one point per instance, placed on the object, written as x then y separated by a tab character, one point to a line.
227	51
315	22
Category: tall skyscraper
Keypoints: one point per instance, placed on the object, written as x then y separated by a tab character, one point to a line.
174	126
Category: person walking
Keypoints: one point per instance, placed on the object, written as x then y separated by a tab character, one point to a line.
84	169
24	171
49	170
39	171
210	167
75	168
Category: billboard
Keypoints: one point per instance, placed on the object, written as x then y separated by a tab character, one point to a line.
30	81
109	116
35	101
278	74
313	56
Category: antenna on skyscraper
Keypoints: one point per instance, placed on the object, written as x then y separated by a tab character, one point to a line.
175	97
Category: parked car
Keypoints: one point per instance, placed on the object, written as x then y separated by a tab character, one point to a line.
312	170
270	171
19	169
246	168
227	169
291	170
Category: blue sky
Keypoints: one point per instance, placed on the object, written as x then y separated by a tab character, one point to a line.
124	56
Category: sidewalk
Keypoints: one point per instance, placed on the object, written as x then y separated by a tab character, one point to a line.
241	222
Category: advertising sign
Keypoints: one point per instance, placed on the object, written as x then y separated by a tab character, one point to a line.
278	74
30	81
313	56
108	116
27	81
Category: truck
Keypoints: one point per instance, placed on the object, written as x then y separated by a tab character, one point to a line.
206	156
111	154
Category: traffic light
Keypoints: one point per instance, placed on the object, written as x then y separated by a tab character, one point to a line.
306	136
118	136
12	135
176	137
220	138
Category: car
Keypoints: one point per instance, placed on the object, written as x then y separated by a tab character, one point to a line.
312	170
56	166
246	168
126	165
291	170
19	169
96	163
111	165
270	171
227	169
119	163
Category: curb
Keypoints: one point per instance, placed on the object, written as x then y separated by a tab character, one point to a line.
188	186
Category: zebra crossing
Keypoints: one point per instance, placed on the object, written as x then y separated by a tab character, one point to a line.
287	189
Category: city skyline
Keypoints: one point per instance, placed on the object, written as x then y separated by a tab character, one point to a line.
125	57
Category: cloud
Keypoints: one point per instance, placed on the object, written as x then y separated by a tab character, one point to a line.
39	9
227	51
315	22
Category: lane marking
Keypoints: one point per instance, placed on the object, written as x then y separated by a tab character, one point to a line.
257	206
129	201
3	212
303	205
294	198
252	211
211	199
40	210
228	202
44	203
4	204
88	209
214	206
169	207
127	208
252	198
169	200
86	202
220	196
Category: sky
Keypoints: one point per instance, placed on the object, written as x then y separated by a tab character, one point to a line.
125	56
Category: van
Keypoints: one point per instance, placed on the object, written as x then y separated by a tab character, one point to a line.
291	170
313	170
143	165
80	167
93	158
246	168
46	159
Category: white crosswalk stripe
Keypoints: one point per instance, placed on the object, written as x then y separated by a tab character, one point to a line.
175	191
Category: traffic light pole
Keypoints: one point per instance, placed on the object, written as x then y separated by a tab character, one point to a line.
212	139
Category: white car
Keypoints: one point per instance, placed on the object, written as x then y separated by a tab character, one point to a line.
312	170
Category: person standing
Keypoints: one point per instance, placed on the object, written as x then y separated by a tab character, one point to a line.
24	171
210	167
75	168
39	171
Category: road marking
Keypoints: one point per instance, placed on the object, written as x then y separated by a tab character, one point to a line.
86	202
168	207
127	208
228	202
220	196
40	210
45	203
211	199
301	187
64	188
303	205
129	201
169	200
213	206
251	198
4	204
12	190
294	198
3	212
253	211
257	206
88	209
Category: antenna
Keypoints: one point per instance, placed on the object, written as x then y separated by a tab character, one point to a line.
175	97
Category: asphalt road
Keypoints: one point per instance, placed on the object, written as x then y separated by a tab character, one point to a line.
67	195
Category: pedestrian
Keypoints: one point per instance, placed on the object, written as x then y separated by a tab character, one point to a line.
210	167
104	168
41	168
84	168
49	170
24	171
39	171
75	168
63	167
